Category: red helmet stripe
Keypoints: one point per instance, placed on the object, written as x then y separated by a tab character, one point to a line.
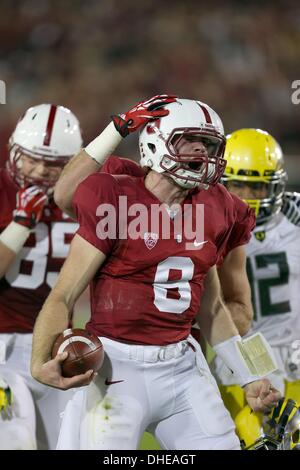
50	124
206	114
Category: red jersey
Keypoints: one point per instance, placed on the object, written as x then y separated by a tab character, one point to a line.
121	166
245	217
26	285
148	291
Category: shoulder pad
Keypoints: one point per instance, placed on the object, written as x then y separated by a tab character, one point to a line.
291	207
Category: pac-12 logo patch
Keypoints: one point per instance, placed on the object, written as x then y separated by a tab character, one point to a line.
150	239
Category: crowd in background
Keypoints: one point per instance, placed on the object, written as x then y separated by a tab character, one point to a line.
100	56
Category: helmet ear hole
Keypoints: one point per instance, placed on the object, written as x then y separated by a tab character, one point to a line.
151	147
149	163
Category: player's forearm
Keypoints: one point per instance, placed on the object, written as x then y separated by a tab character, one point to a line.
216	323
236	289
87	162
78	168
12	240
241	314
80	267
7	257
214	318
52	320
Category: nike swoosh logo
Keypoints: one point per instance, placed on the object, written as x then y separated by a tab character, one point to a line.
200	243
111	382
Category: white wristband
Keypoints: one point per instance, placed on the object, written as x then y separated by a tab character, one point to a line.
14	236
249	359
104	144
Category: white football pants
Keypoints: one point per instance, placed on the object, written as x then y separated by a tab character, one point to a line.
36	408
168	391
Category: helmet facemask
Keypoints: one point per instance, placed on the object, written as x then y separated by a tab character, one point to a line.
196	169
284	424
164	144
14	167
281	430
265	207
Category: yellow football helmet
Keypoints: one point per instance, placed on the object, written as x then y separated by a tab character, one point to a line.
255	159
280	430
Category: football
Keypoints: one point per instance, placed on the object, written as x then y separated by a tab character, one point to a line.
85	351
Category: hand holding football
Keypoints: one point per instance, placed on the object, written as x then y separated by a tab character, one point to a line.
85	351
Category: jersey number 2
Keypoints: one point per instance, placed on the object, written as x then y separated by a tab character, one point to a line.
265	285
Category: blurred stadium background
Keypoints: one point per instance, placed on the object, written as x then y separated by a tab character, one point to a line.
100	57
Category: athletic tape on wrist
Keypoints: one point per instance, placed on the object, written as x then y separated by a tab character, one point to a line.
14	236
249	359
104	144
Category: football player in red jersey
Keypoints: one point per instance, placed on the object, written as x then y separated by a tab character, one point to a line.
146	291
236	294
34	241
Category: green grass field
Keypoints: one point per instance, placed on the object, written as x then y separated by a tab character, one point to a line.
148	442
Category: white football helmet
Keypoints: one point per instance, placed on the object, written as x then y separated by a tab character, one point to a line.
189	119
48	132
